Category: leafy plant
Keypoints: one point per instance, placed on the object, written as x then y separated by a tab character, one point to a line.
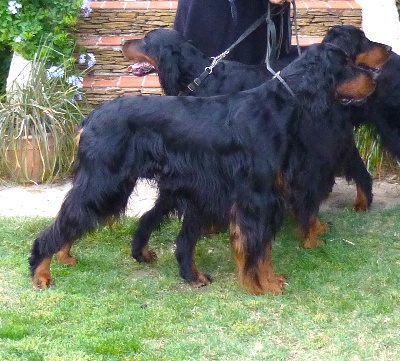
23	23
45	113
5	60
370	149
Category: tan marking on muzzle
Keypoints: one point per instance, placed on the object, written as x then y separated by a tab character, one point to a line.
356	88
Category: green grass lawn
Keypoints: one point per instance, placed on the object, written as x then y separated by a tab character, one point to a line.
342	301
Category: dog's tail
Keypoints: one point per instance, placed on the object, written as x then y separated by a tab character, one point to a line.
89	203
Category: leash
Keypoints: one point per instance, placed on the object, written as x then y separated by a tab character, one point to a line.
276	75
271	32
215	60
296	34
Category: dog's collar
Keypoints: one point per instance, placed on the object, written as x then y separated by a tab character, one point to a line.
197	81
206	72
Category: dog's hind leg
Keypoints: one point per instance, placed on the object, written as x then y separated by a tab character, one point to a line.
251	231
148	222
354	168
82	210
63	256
186	242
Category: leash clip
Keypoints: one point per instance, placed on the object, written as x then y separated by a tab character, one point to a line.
216	60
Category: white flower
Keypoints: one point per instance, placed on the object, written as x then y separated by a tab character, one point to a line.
82	59
78	96
13	7
75	80
92	59
89	57
55	72
85	8
18	39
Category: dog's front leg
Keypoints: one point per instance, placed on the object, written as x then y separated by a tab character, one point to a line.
148	222
186	242
253	255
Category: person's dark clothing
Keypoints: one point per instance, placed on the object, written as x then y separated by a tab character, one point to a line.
213	25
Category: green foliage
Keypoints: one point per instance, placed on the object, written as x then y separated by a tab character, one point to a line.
376	158
5	60
44	112
370	148
342	301
24	23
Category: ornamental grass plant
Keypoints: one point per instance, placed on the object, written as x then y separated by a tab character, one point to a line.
43	114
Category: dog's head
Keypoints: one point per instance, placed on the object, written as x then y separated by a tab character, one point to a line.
324	69
170	54
367	56
152	46
362	51
353	84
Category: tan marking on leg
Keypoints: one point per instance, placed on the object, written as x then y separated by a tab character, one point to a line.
320	227
42	276
63	256
310	240
78	136
259	278
202	280
148	254
361	203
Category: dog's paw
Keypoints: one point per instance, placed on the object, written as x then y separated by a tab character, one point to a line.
201	281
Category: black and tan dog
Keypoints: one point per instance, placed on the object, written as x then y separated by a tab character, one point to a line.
219	159
382	110
178	63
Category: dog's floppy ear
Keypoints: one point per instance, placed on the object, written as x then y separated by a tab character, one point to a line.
356	89
168	71
375	57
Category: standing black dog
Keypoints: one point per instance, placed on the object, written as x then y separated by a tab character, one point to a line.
382	110
178	63
221	160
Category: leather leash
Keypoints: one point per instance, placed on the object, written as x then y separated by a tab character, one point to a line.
271	32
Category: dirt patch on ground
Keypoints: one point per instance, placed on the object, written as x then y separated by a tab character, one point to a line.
386	194
45	200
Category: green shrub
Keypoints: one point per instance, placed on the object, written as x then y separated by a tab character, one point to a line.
5	60
370	148
24	23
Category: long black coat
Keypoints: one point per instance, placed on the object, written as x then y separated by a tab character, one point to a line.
213	25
